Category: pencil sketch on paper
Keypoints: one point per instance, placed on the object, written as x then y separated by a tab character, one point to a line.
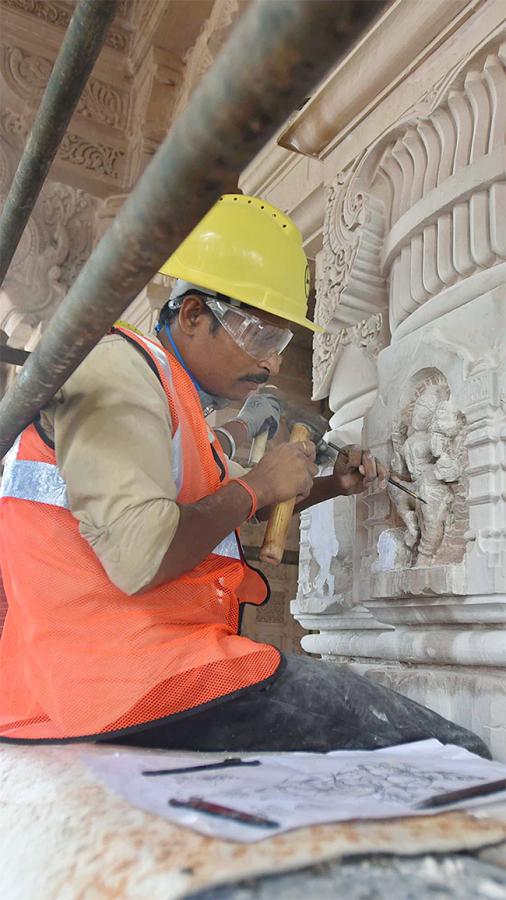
387	782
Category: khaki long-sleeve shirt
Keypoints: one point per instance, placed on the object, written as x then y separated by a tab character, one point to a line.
111	428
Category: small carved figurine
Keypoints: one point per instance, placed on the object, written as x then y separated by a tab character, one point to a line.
429	460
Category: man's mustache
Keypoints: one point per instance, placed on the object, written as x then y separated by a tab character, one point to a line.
259	379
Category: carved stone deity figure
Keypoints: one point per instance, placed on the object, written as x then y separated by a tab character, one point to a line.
447	429
404	504
429	461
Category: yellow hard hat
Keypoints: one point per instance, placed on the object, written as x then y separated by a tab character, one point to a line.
250	251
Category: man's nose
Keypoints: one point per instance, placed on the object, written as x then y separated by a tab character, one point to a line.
273	363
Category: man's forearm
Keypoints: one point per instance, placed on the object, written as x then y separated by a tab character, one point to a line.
324	488
280	474
201	527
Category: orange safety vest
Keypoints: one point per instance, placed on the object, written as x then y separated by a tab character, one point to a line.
78	656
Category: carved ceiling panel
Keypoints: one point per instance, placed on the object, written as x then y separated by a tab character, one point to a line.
128	103
124	113
58	13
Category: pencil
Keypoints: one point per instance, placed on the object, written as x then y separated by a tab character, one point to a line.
224	764
223	812
478	790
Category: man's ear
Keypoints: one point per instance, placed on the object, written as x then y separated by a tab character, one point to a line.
191	314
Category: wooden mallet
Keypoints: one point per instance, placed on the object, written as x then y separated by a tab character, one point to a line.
306	427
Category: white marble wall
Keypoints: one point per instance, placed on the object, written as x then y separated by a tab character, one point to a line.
410	263
432	199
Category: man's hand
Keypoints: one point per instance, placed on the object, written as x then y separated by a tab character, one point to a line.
284	473
355	471
261	412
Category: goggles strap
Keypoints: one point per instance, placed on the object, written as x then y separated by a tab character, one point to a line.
209	402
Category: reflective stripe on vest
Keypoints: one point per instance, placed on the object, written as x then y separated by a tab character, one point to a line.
41	482
228	547
27	479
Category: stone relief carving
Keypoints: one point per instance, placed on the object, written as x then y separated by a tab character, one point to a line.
439	576
98	158
14	126
102	103
59	14
428	456
349	287
125	9
202	55
67	215
325	351
52	12
370	336
419	211
55	243
27	72
28	75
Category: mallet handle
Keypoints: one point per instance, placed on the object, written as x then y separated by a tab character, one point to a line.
273	546
258	448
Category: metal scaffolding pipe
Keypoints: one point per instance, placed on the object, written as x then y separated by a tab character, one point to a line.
81	45
275	56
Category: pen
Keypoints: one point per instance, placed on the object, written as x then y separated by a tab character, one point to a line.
206	767
390	480
223	812
478	790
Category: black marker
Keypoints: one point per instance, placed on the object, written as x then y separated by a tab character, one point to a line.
223	812
478	790
224	764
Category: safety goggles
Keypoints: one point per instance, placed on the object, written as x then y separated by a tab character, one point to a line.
257	338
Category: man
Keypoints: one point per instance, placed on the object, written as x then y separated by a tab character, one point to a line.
122	568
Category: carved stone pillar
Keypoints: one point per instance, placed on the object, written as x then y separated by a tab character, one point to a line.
410	286
349	293
434	572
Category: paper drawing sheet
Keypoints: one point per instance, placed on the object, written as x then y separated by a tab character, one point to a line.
295	789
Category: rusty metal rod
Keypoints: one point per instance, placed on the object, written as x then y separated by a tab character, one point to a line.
80	47
277	53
